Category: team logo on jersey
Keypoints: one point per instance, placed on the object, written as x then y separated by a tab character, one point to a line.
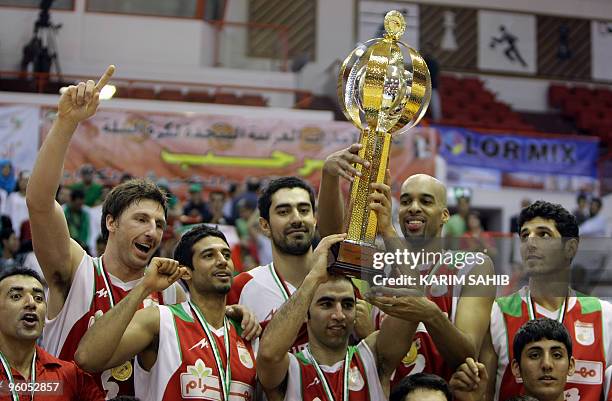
572	394
244	356
355	379
585	333
412	353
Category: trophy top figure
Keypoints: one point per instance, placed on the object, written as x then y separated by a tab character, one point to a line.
384	85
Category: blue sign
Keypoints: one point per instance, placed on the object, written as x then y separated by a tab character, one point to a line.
516	153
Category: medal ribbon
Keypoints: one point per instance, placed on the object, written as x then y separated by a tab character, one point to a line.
345	379
106	283
279	282
225	374
11	379
532	310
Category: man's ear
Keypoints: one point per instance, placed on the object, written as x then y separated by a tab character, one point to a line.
265	227
188	274
445	215
516	369
571	248
572	366
111	223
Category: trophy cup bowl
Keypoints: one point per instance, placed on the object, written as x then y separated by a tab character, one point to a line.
384	88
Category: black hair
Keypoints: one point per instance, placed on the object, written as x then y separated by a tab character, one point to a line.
597	200
5	233
420	381
126	194
77	194
183	253
22	271
265	200
540	329
565	222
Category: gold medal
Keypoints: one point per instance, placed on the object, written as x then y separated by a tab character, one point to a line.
122	372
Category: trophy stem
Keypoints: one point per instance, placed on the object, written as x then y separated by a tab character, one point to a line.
362	222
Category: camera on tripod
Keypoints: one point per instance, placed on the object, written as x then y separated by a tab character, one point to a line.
41	50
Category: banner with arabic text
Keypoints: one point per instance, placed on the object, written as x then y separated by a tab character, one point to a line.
217	149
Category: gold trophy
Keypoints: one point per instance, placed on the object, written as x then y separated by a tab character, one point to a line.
384	88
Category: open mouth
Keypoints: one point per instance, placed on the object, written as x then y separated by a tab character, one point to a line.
144	248
414	223
30	319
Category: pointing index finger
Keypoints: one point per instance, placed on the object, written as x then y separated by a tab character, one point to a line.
105	77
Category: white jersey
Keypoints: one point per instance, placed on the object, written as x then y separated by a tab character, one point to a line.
93	292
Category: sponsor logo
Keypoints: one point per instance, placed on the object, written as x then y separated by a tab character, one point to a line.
203	343
587	372
199	382
102	293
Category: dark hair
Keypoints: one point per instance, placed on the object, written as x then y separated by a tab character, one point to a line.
21	271
77	194
183	253
565	222
5	233
420	381
596	200
125	195
217	192
265	200
540	329
581	196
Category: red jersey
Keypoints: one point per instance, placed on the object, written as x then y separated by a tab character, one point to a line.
186	367
303	382
587	320
74	383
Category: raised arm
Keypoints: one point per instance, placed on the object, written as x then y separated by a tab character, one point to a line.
281	332
124	331
330	213
57	254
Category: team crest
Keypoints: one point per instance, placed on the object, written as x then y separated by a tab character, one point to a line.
584	332
355	379
572	394
412	353
244	356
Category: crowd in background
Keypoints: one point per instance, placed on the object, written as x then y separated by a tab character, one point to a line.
233	208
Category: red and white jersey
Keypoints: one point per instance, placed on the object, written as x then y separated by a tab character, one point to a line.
364	384
423	355
588	321
89	296
186	368
264	291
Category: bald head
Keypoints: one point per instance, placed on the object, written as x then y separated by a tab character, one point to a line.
428	184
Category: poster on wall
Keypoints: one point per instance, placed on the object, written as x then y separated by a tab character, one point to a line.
449	34
564	47
19	135
601	41
372	14
507	42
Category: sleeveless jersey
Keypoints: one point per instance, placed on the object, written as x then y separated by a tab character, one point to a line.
88	297
364	383
587	321
185	367
264	291
423	355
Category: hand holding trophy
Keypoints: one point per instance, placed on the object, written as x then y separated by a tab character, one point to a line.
384	88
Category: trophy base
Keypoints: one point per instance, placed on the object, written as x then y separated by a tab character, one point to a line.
354	259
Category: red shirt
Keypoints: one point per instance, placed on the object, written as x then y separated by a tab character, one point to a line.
75	384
